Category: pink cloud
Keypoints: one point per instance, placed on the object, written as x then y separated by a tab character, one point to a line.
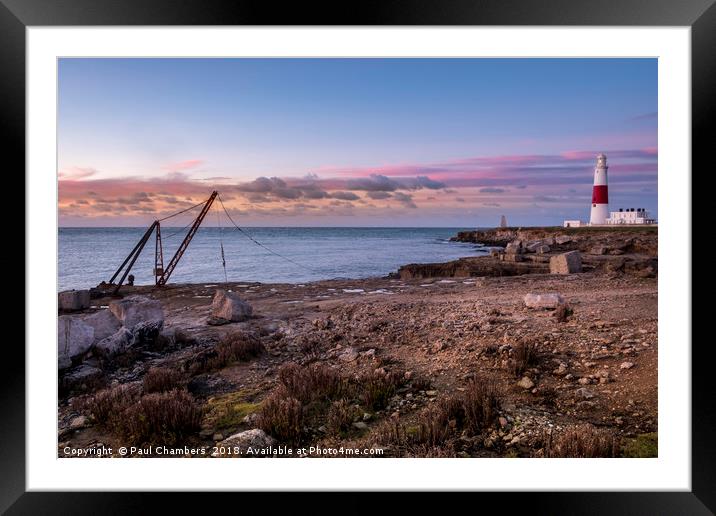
184	165
74	173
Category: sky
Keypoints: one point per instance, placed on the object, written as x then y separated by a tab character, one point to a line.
354	142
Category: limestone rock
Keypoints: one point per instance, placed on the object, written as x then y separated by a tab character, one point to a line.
526	383
566	263
104	323
71	300
135	310
251	443
119	342
230	307
81	377
349	355
74	338
548	301
514	247
562	239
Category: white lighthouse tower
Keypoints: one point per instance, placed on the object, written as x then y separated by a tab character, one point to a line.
600	194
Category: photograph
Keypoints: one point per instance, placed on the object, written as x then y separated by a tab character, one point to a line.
357	257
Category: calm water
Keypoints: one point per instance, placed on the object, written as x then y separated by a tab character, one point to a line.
90	255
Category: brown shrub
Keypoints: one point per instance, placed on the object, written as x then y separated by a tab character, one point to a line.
340	417
481	402
582	441
161	379
310	347
238	346
281	416
421	384
524	355
313	382
163	418
108	406
376	389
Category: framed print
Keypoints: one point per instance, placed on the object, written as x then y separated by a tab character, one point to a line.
452	242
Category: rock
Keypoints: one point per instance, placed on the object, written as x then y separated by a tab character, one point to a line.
566	263
526	383
119	342
104	323
513	257
74	338
250	419
217	321
599	249
626	365
514	247
548	301
562	239
432	394
532	246
585	393
584	381
561	370
349	355
360	425
78	422
135	310
229	306
251	443
81	377
72	300
543	249
368	354
438	346
64	362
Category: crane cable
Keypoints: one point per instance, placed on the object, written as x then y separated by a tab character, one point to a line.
247	235
221	243
182	211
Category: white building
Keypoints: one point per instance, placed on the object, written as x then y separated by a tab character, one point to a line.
630	216
573	223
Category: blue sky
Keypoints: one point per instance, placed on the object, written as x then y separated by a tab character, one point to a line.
512	136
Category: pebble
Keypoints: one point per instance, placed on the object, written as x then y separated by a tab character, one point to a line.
526	383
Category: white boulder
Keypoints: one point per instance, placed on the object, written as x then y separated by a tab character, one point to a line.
251	443
119	342
230	307
566	263
71	300
549	301
104	323
74	338
138	310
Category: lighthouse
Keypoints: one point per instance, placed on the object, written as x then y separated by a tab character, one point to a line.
600	196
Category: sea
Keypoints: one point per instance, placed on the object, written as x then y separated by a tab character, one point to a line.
88	256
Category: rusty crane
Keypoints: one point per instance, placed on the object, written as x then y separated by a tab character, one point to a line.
161	273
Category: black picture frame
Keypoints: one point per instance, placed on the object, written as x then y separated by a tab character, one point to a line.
700	15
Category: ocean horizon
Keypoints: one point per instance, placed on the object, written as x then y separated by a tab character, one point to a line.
89	255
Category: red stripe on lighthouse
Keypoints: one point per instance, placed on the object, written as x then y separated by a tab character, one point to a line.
599	194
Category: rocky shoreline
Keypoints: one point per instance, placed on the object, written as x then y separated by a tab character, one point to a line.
513	354
632	250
